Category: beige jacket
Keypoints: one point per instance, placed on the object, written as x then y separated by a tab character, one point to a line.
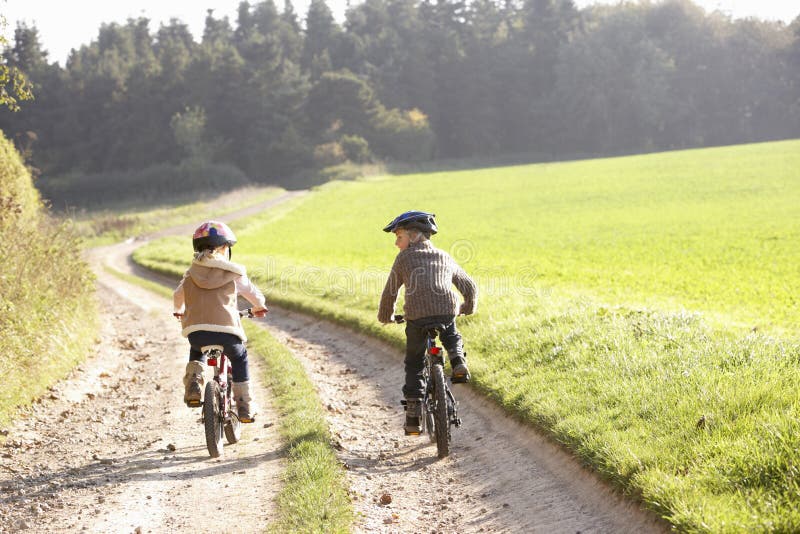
208	293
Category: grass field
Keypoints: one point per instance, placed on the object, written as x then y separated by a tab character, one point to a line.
641	310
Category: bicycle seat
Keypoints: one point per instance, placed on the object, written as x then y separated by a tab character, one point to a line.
207	348
433	329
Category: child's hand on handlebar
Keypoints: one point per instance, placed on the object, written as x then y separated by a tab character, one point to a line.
260	312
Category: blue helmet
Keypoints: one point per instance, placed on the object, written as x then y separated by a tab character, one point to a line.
416	220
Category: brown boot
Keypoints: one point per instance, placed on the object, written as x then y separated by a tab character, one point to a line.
193	382
413	426
460	370
245	405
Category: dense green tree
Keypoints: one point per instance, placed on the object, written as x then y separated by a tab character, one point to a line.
626	75
401	79
321	40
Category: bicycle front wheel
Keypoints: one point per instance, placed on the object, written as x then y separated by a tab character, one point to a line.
212	419
440	415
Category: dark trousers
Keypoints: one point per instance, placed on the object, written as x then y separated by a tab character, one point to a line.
232	346
415	349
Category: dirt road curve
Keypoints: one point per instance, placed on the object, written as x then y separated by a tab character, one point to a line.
113	449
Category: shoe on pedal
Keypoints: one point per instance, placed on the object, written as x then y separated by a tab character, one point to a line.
460	372
193	384
245	406
413	425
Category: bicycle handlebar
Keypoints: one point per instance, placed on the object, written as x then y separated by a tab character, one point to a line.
242	313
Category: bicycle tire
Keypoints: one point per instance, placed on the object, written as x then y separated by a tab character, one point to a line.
233	429
212	419
430	422
440	412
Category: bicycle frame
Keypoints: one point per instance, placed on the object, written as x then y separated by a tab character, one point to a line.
222	372
439	408
434	355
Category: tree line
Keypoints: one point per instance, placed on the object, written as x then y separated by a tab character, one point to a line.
265	98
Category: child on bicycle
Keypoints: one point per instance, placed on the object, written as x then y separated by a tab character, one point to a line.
205	300
428	275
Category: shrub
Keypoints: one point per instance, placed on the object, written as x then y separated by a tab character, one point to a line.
355	148
150	184
328	154
403	135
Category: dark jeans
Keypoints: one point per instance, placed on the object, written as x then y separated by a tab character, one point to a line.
232	346
415	349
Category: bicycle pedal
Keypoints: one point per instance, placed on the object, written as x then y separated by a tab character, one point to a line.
194	403
457	421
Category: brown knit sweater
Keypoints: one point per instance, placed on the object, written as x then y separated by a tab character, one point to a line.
428	275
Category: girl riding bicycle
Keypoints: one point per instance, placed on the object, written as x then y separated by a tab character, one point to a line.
205	300
428	275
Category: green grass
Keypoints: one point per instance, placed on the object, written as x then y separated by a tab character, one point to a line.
106	226
640	310
314	495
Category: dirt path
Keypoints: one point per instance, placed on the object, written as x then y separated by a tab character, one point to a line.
93	459
113	448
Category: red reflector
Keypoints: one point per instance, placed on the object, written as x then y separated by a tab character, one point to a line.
435	351
212	362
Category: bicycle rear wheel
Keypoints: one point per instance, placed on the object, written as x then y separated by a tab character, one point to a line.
212	419
440	415
233	429
430	421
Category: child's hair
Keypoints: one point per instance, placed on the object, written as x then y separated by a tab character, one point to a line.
208	252
417	236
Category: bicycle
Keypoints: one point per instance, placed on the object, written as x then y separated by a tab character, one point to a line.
219	417
439	406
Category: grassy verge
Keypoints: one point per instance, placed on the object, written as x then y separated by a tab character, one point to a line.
47	347
47	314
314	495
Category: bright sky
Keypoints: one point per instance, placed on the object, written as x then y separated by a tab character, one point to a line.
64	25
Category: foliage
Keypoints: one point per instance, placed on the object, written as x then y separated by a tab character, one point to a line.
416	80
356	148
150	184
189	130
328	154
11	75
640	310
47	313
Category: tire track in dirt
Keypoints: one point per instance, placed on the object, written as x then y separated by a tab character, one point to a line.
500	477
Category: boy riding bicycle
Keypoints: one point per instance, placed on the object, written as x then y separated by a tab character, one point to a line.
205	300
428	275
